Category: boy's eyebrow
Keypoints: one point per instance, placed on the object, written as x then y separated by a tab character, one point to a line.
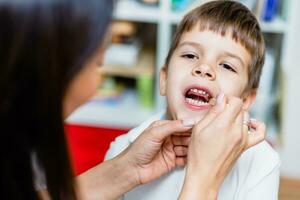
229	54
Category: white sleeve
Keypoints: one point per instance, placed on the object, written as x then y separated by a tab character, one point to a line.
123	141
267	187
117	146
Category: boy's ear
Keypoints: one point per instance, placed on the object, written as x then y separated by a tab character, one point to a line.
163	81
249	98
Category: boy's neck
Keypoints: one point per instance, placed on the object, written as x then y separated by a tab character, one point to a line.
168	114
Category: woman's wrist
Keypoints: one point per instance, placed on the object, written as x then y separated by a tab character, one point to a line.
127	176
97	182
198	185
197	190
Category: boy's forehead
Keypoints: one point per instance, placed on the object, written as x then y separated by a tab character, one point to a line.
205	40
197	28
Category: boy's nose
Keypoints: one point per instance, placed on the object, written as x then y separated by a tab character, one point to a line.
204	71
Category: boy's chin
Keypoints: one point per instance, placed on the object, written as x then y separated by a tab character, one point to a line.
193	115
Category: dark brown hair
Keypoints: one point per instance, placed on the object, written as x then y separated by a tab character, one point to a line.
221	17
43	46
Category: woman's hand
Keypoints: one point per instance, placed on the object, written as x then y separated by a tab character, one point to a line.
217	141
153	154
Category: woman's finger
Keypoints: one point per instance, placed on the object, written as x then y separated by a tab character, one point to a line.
181	161
213	112
257	134
233	108
159	123
159	130
180	150
246	122
180	140
245	128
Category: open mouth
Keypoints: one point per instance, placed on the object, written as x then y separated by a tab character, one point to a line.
198	97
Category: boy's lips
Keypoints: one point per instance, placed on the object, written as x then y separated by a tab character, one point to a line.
198	97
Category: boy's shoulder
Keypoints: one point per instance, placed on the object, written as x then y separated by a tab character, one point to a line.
258	162
263	154
123	141
135	132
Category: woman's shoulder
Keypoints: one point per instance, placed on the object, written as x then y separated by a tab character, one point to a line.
135	132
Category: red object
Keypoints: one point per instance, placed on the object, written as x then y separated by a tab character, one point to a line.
88	145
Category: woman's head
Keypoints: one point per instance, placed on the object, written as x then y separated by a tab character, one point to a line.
46	46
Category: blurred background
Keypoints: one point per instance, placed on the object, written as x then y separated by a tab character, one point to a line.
141	34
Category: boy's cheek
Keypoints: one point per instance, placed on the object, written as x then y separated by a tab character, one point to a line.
163	83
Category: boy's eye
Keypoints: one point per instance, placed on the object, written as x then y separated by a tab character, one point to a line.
189	56
228	67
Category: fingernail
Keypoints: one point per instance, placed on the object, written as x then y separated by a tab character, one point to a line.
188	122
220	98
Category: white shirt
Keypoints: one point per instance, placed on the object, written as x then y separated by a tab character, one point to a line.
255	175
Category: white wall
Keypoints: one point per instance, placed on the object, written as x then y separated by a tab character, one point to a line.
290	151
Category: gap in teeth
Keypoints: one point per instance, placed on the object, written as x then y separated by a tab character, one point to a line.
199	91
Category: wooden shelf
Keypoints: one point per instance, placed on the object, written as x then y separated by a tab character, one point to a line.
144	67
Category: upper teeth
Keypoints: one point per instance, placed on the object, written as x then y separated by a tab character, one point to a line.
199	91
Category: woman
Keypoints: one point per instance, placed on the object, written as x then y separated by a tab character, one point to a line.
49	55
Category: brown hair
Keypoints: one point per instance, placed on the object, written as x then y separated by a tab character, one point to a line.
222	16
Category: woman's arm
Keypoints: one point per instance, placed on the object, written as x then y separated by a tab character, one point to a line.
148	158
108	180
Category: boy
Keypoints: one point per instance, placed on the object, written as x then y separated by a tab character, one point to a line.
218	48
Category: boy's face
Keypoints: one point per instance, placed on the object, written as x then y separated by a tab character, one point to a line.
203	65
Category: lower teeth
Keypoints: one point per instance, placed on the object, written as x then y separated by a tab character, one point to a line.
196	102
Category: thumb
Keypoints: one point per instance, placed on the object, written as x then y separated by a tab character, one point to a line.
159	130
213	112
